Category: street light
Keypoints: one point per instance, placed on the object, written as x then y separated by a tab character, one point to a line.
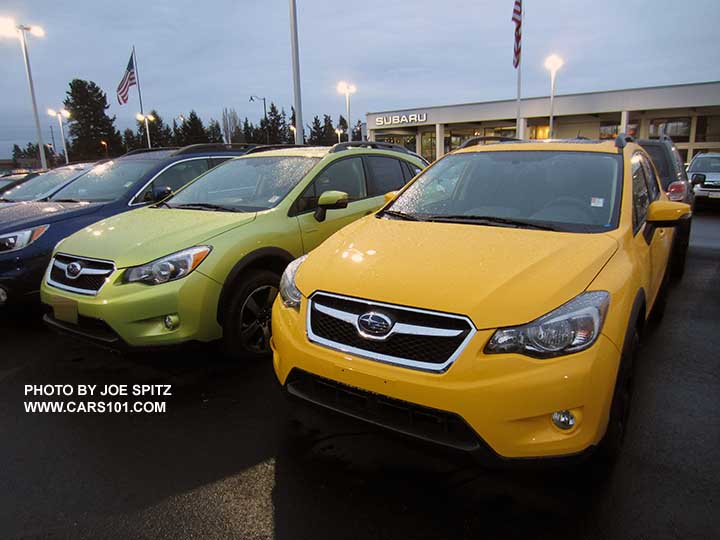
62	113
339	134
105	146
553	63
294	131
146	118
347	89
8	28
267	126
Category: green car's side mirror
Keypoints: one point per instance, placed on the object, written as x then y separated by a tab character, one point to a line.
330	200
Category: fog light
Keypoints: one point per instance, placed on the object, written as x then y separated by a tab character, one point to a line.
563	419
171	322
3	296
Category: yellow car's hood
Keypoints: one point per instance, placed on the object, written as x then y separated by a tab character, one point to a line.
143	235
496	276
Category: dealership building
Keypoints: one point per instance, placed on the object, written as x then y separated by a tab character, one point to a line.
689	113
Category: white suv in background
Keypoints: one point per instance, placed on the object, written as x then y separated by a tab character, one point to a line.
704	172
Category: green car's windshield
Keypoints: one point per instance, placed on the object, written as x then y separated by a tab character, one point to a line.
246	184
43	184
559	190
706	164
105	182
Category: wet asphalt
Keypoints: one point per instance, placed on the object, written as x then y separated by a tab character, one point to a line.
228	460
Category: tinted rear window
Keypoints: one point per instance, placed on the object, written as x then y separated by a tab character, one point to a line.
660	160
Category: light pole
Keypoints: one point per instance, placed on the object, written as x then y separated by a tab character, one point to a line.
552	63
267	126
339	134
146	118
347	89
8	28
300	132
59	115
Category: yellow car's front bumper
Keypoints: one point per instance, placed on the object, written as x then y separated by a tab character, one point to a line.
507	400
136	312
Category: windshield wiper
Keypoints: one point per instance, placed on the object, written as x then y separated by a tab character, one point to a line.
205	206
66	200
3	199
400	215
492	220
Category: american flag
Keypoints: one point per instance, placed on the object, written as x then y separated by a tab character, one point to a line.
517	19
129	79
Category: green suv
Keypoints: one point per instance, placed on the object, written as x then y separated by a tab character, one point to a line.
205	263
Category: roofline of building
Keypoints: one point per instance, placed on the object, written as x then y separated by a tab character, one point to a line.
576	94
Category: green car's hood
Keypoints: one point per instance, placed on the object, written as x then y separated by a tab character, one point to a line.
143	235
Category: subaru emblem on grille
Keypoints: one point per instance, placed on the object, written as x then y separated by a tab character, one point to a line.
374	325
73	270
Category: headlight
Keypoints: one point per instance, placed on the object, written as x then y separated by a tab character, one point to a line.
572	327
15	241
170	268
288	291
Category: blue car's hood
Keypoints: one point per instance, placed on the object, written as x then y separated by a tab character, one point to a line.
15	217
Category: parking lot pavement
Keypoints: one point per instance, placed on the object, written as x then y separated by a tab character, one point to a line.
226	461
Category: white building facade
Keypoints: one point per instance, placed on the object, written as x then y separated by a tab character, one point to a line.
689	113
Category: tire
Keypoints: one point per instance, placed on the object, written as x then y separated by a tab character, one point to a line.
679	252
246	324
609	448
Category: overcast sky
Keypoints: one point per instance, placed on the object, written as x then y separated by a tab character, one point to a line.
206	55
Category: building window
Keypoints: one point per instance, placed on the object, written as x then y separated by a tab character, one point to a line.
408	141
428	146
539	132
677	128
708	129
609	130
507	131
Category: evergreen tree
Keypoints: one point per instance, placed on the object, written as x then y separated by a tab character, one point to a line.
214	132
342	124
275	126
89	123
248	131
329	136
315	131
192	131
357	132
131	141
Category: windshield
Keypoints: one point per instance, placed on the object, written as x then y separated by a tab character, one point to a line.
706	164
36	187
568	191
105	182
247	184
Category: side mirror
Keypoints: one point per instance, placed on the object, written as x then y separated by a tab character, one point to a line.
161	192
330	200
667	213
389	196
697	179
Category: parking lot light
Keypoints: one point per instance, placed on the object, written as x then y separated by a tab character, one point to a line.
347	89
9	28
62	113
339	134
553	63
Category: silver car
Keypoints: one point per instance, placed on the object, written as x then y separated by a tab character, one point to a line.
704	174
44	184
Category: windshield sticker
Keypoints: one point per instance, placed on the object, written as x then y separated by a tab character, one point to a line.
597	202
273	199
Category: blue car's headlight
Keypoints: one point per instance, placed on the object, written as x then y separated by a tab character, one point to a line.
15	241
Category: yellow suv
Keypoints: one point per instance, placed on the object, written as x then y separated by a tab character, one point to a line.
493	305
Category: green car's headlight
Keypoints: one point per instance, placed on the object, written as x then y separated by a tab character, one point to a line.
15	241
289	293
170	268
572	327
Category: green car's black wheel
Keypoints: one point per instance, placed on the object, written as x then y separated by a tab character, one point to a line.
247	325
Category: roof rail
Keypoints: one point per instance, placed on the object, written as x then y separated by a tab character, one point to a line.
266	147
146	150
339	147
664	137
492	138
213	147
622	139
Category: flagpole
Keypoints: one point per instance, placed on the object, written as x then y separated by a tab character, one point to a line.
519	132
142	112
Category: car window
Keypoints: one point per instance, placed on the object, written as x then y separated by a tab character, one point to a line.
175	177
246	184
346	175
641	199
42	184
214	162
660	159
106	182
411	170
705	164
385	175
652	183
570	191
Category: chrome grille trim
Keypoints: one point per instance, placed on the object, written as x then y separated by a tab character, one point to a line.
398	328
54	263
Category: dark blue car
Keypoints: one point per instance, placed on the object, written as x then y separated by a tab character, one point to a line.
30	231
